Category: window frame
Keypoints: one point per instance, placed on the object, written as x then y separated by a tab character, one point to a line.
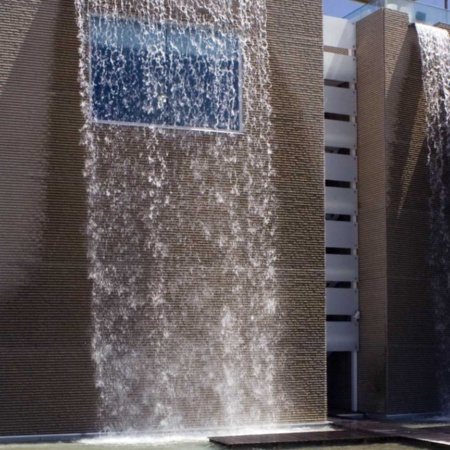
93	119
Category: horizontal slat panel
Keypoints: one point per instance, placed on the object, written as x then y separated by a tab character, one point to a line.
341	167
340	100
338	32
341	234
339	67
341	268
342	302
340	134
341	201
342	336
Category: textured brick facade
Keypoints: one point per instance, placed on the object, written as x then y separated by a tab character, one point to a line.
398	349
296	59
46	372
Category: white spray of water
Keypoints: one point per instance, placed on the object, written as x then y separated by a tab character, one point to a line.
189	437
435	53
181	223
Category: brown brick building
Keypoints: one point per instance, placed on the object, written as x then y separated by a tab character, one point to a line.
47	375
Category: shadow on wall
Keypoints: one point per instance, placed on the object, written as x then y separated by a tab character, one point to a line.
411	339
46	372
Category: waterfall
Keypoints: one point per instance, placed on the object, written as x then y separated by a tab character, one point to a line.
181	212
435	53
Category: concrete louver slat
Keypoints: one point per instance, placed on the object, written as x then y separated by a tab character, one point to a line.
342	301
340	134
337	32
339	67
341	234
342	336
339	100
340	167
341	201
341	268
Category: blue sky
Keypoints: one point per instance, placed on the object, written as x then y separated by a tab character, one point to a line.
341	8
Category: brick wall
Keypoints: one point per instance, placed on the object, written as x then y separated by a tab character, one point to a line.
296	58
398	349
46	372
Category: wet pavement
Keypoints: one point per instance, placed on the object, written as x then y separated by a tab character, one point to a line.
348	431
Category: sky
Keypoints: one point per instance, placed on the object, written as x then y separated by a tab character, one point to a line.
341	8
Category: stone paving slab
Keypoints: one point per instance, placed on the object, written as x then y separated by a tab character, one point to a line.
428	436
432	434
351	431
368	425
310	437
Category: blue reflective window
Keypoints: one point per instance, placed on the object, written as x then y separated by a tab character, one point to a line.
168	75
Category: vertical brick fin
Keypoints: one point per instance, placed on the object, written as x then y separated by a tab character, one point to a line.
296	58
411	346
398	349
372	215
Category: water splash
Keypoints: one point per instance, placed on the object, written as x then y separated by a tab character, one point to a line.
435	53
198	439
181	224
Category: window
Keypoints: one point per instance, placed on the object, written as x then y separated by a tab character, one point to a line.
168	75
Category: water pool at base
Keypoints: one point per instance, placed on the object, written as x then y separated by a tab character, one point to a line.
201	444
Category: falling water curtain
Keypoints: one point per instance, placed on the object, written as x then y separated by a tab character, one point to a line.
181	215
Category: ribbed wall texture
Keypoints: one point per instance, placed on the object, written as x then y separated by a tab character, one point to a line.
46	373
296	59
372	216
398	349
